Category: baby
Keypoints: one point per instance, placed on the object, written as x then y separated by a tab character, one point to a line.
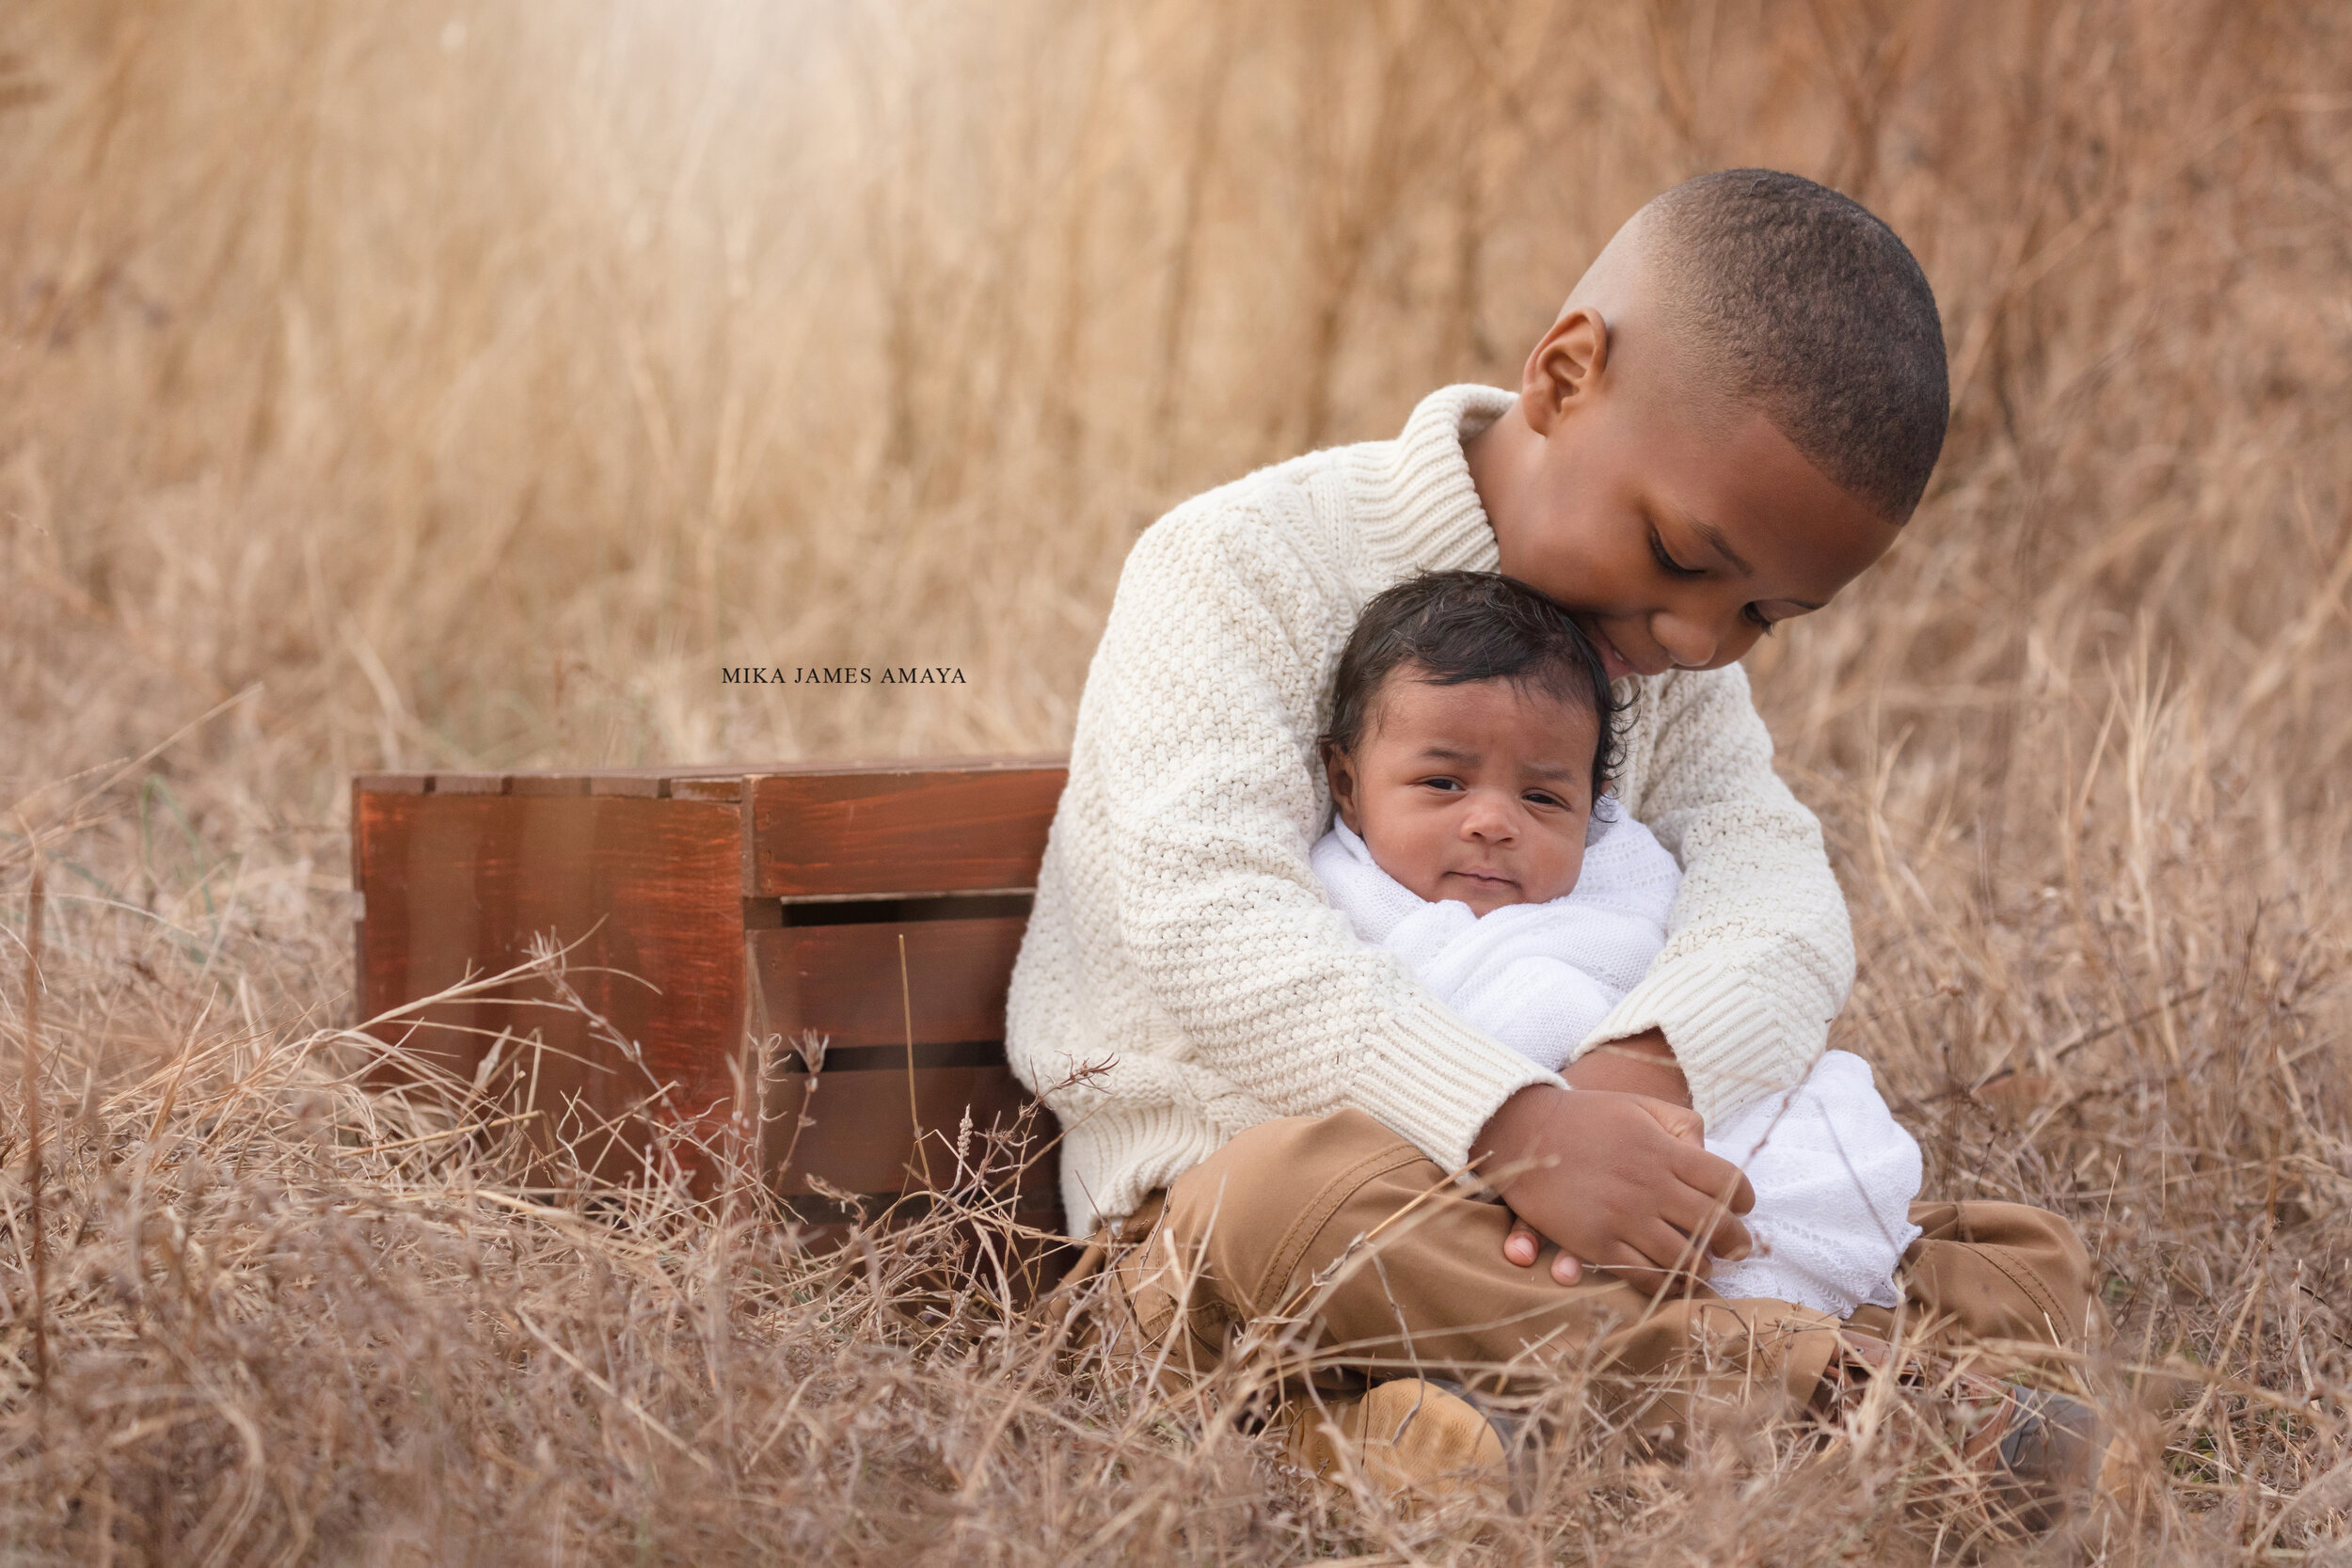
1472	733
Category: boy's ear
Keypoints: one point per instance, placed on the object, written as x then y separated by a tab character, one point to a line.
1341	775
1564	369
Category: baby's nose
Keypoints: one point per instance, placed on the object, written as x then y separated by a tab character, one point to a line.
1488	819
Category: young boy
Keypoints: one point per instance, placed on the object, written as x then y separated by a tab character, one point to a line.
1734	414
1469	758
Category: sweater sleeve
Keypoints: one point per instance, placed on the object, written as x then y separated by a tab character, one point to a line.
1197	733
1760	949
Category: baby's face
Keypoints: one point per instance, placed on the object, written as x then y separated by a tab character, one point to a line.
1478	793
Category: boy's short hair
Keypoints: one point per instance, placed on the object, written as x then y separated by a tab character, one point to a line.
1813	312
1452	628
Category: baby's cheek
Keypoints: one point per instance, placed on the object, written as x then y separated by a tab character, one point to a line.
1561	869
1415	856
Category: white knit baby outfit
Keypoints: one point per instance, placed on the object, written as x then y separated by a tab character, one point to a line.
1538	977
1184	979
1833	1173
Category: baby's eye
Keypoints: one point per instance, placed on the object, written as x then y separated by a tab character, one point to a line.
1545	797
1449	785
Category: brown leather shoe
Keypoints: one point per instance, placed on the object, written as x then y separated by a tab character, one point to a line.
2039	1451
1412	1438
2035	1454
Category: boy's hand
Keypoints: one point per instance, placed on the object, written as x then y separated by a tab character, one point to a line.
1523	1245
1618	1180
1639	1064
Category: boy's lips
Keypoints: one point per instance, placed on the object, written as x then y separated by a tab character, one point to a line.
1613	660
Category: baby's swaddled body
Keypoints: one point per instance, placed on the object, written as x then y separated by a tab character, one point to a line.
1835	1174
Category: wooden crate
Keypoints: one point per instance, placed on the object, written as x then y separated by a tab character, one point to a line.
877	906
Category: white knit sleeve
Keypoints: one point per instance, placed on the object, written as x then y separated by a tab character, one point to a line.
1538	1006
1197	733
1759	951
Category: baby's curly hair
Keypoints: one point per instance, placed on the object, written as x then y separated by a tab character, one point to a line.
1452	628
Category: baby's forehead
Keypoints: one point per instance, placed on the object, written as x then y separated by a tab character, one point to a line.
1531	714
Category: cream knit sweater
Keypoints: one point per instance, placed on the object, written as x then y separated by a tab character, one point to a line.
1182	977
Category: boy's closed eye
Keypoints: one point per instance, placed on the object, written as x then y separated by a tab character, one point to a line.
1674	568
1665	560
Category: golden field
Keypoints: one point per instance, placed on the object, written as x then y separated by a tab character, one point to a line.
463	384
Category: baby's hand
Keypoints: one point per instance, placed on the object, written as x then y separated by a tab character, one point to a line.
1522	1246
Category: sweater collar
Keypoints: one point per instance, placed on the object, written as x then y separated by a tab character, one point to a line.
1417	510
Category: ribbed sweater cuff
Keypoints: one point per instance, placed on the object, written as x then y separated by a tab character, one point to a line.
1435	1079
1726	1038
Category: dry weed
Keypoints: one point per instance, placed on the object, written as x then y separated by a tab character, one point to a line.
464	384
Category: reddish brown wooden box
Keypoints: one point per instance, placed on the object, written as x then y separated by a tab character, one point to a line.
711	907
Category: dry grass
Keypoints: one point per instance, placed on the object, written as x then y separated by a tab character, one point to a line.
464	384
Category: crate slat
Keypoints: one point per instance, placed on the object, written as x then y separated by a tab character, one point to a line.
546	784
861	1136
876	833
469	783
393	784
646	889
843	981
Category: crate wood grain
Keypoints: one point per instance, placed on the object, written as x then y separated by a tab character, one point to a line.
861	1137
705	903
887	835
645	895
843	981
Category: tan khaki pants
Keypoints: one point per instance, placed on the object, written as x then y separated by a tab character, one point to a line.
1341	1239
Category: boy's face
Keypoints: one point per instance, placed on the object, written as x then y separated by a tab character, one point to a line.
1675	529
1478	793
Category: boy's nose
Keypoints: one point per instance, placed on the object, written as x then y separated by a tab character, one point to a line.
1691	641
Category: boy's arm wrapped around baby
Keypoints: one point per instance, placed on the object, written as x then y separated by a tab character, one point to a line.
1180	937
1759	951
1179	929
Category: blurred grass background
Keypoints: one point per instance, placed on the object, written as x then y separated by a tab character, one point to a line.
464	384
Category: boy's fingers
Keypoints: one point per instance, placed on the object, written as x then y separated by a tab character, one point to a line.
1681	1121
1521	1245
1700	1214
1636	1268
1727	1240
1647	1252
1567	1270
1715	1177
1671	1250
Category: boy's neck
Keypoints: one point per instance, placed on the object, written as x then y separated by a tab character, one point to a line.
1495	457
